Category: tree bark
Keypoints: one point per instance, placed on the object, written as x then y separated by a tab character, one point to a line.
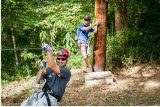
12	34
99	53
14	45
125	17
121	20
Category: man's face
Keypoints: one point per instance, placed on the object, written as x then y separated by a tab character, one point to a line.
61	61
87	23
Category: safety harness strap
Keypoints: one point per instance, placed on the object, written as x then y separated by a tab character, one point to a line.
47	91
47	97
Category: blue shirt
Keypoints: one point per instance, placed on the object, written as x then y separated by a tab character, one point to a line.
83	35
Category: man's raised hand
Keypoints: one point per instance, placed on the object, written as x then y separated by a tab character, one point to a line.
46	47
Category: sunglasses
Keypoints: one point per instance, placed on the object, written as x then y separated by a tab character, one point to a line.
62	59
87	19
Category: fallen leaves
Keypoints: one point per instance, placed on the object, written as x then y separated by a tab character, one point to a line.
126	91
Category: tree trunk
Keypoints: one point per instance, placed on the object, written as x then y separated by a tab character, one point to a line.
14	45
118	18
121	20
99	53
12	34
125	16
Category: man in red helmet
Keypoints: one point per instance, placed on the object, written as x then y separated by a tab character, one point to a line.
57	76
83	42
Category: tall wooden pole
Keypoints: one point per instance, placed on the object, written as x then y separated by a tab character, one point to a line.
99	53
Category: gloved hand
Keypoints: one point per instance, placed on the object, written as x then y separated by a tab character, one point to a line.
97	23
46	47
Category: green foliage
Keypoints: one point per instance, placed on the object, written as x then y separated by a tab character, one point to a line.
75	60
140	42
59	25
36	22
17	73
130	48
55	22
30	57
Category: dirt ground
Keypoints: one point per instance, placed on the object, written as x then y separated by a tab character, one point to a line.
137	85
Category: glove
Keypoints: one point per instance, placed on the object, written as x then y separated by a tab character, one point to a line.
97	23
46	47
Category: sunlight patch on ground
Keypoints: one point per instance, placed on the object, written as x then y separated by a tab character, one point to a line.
148	73
141	71
132	70
149	85
75	71
118	86
15	88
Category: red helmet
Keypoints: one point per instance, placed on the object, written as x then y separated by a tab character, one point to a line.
62	53
87	18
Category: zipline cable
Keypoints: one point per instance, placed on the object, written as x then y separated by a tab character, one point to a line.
7	49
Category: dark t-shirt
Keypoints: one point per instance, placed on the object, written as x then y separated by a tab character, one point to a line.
58	84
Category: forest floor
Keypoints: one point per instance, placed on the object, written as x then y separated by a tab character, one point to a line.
136	85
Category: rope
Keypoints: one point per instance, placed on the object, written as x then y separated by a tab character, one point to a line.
38	87
44	61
